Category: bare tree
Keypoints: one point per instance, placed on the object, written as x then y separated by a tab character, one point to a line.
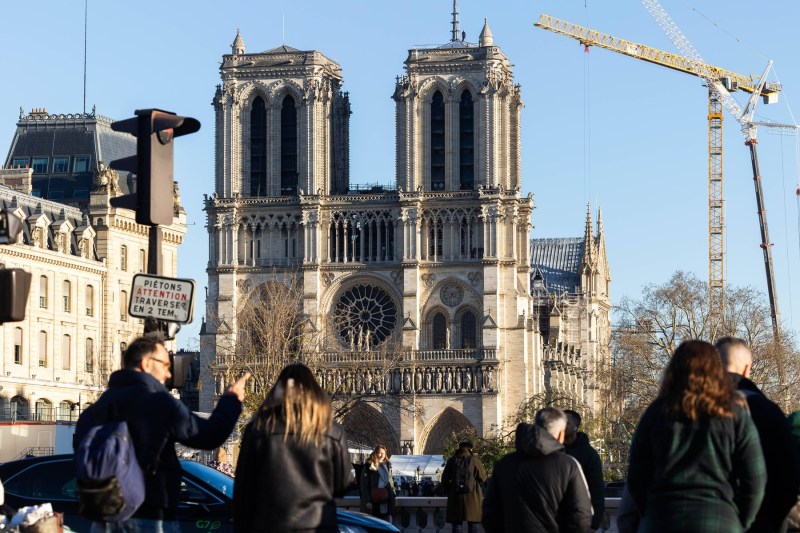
270	330
649	329
270	333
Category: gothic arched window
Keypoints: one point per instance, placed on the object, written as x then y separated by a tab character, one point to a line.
439	331
468	331
288	147
466	145
437	142
258	148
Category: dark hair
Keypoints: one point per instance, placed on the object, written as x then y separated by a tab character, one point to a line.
465	444
695	385
575	415
138	350
551	417
305	411
725	344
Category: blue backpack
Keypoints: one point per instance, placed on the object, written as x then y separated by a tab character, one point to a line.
110	481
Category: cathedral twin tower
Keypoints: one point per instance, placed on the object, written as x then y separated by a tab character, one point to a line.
438	268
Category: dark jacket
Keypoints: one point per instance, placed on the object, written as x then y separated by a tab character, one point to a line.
157	421
592	467
702	476
283	486
369	479
463	506
783	479
538	488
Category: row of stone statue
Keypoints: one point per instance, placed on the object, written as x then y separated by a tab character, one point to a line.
422	380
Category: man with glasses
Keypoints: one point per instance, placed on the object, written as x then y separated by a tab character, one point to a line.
156	421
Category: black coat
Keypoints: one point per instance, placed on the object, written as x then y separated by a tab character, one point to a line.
538	488
592	467
283	486
157	421
783	478
463	506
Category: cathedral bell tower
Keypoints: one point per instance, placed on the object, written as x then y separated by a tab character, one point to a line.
281	124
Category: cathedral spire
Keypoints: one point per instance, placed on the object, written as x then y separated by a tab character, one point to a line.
237	46
486	38
588	236
599	222
454	32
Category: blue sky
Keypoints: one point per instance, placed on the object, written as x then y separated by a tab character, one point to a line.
626	135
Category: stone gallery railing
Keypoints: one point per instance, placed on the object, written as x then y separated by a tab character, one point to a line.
423	515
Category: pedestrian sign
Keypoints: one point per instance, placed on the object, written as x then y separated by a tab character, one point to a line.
168	299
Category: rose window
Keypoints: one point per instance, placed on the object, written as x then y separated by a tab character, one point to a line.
365	316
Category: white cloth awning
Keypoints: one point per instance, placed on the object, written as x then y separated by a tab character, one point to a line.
406	465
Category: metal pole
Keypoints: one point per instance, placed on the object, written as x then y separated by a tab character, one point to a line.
154	258
765	244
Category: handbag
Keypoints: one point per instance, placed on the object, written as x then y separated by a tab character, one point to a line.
379	494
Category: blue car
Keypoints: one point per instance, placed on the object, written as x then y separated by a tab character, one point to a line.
206	495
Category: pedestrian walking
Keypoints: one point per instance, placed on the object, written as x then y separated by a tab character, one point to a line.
696	463
293	461
156	421
462	479
538	488
783	477
578	446
377	485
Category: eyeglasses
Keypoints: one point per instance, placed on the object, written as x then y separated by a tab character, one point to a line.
166	364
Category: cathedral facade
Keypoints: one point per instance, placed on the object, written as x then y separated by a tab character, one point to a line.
439	268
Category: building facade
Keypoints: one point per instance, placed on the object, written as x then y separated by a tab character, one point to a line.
82	255
439	267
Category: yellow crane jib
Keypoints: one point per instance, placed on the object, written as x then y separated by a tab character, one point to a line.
589	37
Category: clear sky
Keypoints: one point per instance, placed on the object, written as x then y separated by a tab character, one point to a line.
603	128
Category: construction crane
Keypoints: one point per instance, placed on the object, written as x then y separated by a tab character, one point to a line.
720	82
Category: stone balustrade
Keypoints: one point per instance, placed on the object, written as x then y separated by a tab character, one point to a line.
424	515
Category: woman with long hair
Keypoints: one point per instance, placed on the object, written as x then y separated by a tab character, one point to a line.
377	485
696	462
293	460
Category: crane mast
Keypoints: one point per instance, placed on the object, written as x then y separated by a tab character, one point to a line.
720	82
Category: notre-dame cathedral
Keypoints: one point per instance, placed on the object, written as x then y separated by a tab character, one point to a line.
442	265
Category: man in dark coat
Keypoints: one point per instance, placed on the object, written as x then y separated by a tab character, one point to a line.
538	488
463	506
578	446
157	420
783	474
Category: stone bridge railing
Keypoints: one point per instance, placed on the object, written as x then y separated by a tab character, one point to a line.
424	515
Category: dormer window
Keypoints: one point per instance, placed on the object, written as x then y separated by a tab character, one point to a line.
40	165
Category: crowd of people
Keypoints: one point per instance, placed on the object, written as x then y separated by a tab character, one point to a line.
710	454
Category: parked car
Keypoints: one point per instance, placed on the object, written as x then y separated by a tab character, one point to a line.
206	495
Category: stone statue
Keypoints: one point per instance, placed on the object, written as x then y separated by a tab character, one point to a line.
36	236
83	244
176	195
106	178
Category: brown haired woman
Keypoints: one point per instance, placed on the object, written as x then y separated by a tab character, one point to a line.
293	461
696	462
377	485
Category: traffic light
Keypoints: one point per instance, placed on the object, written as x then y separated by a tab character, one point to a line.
14	286
154	130
14	282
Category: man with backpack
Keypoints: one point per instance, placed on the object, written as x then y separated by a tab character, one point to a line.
461	481
137	409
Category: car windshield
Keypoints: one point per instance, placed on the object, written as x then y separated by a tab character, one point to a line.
214	478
